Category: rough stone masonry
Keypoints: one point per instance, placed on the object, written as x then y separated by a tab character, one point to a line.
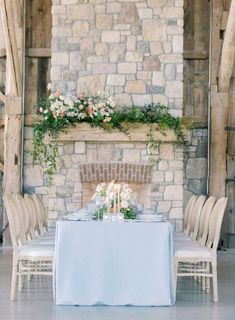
129	49
132	50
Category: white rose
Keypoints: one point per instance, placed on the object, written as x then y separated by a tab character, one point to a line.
124	204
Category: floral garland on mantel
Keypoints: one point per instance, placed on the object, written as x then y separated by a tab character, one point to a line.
58	112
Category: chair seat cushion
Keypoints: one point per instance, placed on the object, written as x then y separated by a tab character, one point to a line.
42	241
37	251
180	235
186	243
191	252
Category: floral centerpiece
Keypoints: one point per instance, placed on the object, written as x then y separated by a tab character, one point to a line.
114	198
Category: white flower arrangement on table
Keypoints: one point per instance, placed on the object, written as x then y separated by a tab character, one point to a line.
115	198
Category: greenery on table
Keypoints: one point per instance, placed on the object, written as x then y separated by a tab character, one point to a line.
129	213
58	113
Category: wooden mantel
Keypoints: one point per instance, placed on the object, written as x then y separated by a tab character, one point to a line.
137	133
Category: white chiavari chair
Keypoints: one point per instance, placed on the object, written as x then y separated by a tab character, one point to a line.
197	254
28	259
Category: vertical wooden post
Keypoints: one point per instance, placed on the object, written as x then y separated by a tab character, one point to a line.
12	154
219	110
219	118
14	34
228	51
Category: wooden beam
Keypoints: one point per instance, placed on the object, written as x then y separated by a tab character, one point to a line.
12	154
219	115
196	55
83	132
11	37
14	33
216	41
10	61
2	97
2	167
228	52
224	20
2	53
219	110
19	12
1	121
38	53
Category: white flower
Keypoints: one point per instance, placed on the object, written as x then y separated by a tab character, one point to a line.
81	115
41	109
124	204
71	104
108	119
49	87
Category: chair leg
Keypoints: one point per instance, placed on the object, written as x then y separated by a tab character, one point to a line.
13	279
208	279
20	278
203	279
215	281
175	275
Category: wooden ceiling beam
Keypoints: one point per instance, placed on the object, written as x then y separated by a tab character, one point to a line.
228	52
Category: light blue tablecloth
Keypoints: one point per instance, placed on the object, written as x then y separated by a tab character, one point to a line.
111	263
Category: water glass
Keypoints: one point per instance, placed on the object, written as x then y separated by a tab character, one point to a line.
90	209
139	208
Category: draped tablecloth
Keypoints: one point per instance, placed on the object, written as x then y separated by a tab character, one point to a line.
113	263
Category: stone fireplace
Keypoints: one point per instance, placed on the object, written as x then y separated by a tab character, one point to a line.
132	50
90	156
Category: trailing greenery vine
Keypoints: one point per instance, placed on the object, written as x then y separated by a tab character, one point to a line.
58	112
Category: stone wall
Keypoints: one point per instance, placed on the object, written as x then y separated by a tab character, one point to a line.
132	50
195	164
170	173
129	49
164	191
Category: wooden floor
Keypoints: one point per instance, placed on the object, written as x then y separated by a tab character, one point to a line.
36	302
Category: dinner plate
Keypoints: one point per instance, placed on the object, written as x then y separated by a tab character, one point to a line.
150	216
75	218
151	220
146	220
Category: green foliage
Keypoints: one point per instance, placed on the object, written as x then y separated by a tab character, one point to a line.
59	112
129	213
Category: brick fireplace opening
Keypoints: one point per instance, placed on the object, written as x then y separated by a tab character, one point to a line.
138	177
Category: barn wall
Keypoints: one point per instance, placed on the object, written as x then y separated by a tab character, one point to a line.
196	42
196	77
2	88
